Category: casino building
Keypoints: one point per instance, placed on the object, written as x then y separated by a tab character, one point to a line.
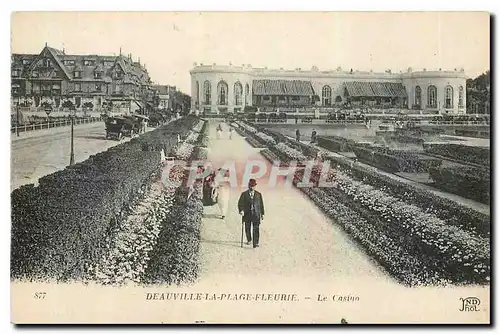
231	89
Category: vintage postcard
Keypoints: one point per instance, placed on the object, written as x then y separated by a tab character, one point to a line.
250	167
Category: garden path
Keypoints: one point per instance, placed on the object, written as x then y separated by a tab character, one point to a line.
298	241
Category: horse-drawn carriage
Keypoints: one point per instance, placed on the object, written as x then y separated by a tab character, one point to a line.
118	127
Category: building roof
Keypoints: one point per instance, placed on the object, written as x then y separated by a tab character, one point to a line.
282	87
375	89
162	89
133	71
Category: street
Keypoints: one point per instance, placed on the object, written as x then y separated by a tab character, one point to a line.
38	153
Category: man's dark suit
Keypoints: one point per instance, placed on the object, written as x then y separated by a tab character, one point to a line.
253	209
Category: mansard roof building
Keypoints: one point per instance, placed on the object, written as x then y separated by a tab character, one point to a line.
61	80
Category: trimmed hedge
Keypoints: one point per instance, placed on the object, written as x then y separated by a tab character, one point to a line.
203	138
469	182
473	133
62	226
471	154
307	150
336	144
254	142
396	161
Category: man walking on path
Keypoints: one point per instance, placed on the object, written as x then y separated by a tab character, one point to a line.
251	207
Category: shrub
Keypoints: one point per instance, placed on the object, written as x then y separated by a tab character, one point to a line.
469	182
470	154
395	160
336	144
254	142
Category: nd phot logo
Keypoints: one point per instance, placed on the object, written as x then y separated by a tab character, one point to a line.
470	304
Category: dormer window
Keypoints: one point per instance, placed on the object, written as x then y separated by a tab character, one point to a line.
47	63
118	75
26	62
97	75
16	73
77	74
69	62
34	74
88	63
98	87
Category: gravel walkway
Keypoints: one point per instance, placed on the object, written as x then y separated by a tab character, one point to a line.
297	239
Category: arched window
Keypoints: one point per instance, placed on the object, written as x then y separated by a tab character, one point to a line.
418	96
326	96
222	93
197	92
247	93
432	96
461	96
207	91
238	92
448	97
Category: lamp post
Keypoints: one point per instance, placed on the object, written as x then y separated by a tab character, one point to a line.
48	110
17	117
72	153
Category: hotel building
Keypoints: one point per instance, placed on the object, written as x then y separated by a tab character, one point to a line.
58	81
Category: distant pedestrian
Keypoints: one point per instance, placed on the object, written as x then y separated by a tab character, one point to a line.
251	208
223	198
219	131
313	136
297	135
231	133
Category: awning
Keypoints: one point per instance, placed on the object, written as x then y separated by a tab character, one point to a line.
282	87
375	89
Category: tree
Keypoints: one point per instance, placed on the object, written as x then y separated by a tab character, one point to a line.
478	93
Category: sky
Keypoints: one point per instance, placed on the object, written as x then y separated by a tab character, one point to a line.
169	43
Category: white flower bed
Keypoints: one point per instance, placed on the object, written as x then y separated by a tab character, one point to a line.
192	138
184	151
128	257
291	152
407	267
267	139
199	126
460	248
